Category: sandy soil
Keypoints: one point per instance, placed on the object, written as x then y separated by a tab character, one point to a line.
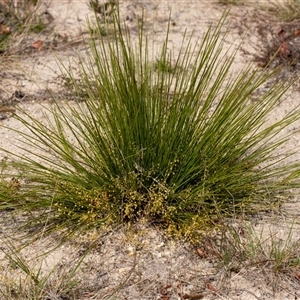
123	264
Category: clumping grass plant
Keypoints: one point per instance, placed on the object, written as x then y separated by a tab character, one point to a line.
181	149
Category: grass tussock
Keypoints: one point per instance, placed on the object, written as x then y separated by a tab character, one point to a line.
182	148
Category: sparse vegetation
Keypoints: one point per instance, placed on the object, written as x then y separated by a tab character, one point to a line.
18	21
242	246
30	281
287	10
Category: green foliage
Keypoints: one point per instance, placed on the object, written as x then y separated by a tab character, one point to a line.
164	66
3	41
227	2
38	26
181	149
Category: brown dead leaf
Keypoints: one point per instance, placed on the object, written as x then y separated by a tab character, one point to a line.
281	31
165	293
4	29
37	44
284	49
211	287
194	296
297	275
297	32
202	253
